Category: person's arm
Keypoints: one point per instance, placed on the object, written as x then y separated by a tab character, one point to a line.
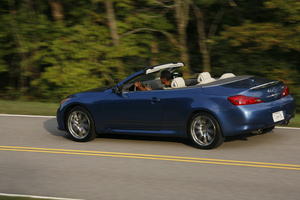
140	87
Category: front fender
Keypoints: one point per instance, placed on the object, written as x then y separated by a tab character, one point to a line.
91	101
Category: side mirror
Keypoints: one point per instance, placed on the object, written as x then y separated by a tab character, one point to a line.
115	89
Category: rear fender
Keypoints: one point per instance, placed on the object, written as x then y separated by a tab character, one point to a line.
215	106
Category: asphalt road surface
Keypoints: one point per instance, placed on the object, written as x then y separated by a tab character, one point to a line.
38	159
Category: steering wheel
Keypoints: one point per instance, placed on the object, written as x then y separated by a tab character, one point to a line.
136	88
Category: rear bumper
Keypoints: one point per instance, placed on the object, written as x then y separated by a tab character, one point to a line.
287	119
248	118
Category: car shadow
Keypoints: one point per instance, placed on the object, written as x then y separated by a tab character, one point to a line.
51	126
184	141
242	137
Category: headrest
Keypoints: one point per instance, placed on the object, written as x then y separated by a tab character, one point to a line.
227	75
178	82
203	76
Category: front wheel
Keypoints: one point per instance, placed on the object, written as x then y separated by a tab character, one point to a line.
80	124
204	131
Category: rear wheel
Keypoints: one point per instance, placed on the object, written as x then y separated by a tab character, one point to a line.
80	124
204	131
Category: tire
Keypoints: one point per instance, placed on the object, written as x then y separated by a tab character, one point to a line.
80	124
204	131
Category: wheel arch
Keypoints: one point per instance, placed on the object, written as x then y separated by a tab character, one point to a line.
72	106
194	112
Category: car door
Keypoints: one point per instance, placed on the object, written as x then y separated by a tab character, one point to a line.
140	110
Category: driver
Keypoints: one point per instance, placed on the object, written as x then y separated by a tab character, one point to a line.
165	78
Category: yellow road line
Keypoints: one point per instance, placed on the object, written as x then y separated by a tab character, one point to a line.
153	157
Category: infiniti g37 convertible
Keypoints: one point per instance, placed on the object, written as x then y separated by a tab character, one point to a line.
204	109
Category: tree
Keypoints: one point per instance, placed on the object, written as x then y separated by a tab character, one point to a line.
281	31
114	33
57	10
84	55
270	45
52	48
182	8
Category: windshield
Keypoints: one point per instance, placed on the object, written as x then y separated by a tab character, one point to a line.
150	80
146	77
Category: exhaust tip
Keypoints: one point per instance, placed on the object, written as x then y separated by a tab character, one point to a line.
259	131
285	123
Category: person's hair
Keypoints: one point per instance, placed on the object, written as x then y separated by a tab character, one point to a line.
166	74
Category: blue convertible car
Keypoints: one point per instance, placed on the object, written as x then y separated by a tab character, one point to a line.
204	109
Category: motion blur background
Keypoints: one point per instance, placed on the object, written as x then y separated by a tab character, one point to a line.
52	48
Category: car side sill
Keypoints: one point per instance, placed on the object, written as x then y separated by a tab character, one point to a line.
144	132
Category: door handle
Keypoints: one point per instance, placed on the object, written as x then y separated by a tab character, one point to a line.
154	99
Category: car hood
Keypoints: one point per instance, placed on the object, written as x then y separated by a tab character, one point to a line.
90	93
100	89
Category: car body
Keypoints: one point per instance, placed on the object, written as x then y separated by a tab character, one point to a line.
205	109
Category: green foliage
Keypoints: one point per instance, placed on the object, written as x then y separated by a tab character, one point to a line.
269	47
283	32
47	59
57	59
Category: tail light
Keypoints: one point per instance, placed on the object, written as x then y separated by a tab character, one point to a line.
239	100
285	91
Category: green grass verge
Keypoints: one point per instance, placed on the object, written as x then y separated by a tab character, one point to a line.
28	108
49	109
20	198
295	122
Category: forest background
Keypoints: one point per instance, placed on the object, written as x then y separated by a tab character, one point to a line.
52	48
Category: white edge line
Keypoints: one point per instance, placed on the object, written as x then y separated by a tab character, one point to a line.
11	115
293	128
36	197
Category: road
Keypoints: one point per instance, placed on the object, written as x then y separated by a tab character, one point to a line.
38	159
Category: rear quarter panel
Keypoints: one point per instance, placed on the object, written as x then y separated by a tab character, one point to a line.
181	104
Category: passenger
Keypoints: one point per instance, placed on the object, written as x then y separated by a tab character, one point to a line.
165	78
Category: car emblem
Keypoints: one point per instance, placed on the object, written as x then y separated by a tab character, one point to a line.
270	90
272	95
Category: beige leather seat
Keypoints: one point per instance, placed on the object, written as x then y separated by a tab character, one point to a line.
178	82
205	77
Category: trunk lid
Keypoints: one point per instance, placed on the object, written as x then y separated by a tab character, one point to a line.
265	89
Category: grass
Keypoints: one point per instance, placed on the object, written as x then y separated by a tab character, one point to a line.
28	108
49	109
19	198
295	122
